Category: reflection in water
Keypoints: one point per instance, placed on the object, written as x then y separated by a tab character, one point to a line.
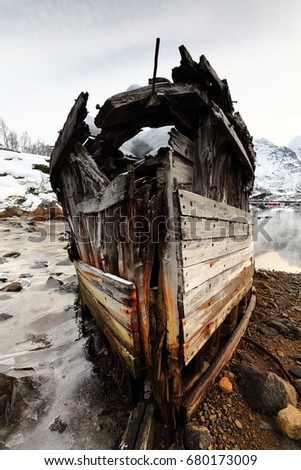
277	239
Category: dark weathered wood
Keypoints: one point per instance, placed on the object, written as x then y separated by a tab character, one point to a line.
195	205
74	130
114	193
182	145
231	135
130	434
146	432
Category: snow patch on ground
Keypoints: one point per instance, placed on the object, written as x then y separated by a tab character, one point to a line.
21	184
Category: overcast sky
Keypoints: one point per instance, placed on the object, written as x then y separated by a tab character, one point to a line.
51	50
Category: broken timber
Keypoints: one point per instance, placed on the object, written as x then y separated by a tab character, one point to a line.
162	242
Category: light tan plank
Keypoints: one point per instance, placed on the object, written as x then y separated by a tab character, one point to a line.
194	252
199	273
196	333
129	340
131	362
191	301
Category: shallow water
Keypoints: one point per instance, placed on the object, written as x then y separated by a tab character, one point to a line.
277	239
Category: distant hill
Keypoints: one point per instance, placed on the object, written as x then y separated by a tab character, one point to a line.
278	169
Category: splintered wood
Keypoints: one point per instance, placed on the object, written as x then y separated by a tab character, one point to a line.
162	244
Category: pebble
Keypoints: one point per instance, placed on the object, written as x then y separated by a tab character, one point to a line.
12	254
5	316
296	370
225	385
13	287
238	424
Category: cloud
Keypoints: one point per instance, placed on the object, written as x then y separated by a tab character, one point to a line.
54	49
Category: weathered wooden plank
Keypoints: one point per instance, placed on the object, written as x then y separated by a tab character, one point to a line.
233	138
200	327
201	294
124	312
114	193
131	362
132	428
194	228
74	128
181	144
194	252
181	169
130	106
168	282
198	273
195	205
128	339
108	283
202	387
147	429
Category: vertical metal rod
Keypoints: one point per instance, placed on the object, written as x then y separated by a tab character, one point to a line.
155	64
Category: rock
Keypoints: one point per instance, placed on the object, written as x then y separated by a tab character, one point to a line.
243	356
14	440
280	353
298	383
53	283
265	391
69	287
296	307
225	385
279	326
238	424
12	254
25	275
289	422
5	316
5	297
58	425
3	279
265	426
197	437
296	370
297	357
25	283
13	287
267	331
39	265
65	262
3	260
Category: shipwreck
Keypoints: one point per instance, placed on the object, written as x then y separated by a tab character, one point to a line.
161	232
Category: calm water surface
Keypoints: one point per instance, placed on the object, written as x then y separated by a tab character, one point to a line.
277	239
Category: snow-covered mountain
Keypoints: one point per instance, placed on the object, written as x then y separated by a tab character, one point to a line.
278	169
24	183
